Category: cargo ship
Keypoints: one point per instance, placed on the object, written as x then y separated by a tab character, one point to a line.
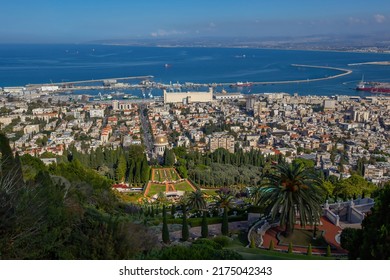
373	87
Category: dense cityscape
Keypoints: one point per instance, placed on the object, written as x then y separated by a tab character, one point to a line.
194	139
206	152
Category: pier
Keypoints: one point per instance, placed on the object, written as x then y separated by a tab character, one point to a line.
93	81
69	86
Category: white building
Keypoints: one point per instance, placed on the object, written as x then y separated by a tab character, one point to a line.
31	128
121	105
188	97
96	113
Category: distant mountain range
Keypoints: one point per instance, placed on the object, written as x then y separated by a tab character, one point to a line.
369	43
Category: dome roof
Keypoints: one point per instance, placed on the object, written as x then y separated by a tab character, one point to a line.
161	140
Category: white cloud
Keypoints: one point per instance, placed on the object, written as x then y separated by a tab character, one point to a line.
163	33
379	18
353	20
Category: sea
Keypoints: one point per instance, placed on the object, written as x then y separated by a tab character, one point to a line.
37	64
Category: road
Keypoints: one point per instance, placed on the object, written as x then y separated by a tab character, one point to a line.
148	139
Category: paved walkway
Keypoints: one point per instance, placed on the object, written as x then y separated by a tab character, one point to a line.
331	231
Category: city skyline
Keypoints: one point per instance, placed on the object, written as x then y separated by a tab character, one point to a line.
45	21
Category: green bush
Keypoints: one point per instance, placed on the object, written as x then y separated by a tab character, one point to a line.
207	242
197	222
222	240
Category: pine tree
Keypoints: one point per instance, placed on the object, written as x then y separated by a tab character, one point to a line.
185	234
165	231
225	222
205	228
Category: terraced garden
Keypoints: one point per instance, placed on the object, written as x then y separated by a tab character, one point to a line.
166	180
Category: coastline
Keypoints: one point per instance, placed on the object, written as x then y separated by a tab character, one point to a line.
221	46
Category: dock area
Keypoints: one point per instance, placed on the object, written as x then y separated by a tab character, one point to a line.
146	83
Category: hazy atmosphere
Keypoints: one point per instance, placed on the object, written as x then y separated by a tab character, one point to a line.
54	21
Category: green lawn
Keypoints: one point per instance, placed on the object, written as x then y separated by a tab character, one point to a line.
157	175
174	175
183	186
303	237
156	188
263	254
210	191
167	174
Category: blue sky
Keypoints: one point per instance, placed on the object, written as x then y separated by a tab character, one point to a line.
84	20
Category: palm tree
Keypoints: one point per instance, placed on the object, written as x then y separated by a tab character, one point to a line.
224	198
196	200
290	191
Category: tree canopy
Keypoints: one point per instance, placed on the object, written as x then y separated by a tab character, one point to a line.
291	192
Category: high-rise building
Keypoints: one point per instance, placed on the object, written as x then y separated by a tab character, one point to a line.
221	140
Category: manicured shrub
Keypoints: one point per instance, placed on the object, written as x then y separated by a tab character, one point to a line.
253	243
205	227
328	251
185	233
290	248
309	250
225	223
222	240
165	231
271	245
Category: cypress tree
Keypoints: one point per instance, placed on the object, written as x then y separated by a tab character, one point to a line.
271	245
165	231
205	228
145	170
328	251
253	243
152	212
137	175
185	234
309	250
173	210
290	248
131	172
225	223
121	169
7	157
